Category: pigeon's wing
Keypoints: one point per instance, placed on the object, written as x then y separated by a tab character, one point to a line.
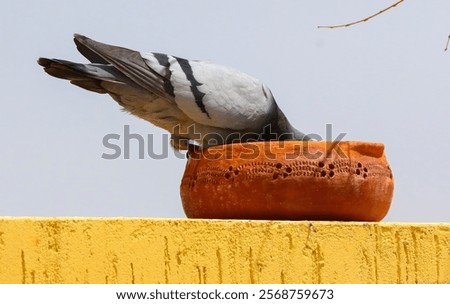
127	61
220	96
209	94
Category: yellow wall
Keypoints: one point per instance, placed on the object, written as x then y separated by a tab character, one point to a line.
127	250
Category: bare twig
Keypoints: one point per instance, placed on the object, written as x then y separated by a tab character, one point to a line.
446	46
362	20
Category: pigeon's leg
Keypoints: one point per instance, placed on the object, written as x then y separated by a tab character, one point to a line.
183	143
194	150
179	142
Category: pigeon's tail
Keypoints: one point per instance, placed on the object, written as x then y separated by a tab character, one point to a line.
87	76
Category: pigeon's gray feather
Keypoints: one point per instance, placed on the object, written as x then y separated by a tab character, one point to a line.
193	100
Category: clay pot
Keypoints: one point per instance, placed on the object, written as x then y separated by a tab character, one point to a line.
289	180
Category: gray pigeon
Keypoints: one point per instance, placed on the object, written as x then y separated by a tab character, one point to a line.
196	101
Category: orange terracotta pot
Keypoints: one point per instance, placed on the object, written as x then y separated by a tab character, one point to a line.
290	180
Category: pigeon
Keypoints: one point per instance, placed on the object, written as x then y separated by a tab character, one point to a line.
195	101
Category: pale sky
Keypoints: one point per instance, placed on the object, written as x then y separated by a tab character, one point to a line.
386	80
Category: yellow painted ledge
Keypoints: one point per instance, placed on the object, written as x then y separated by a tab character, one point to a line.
131	250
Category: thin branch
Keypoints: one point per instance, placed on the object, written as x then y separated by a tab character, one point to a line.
362	20
448	42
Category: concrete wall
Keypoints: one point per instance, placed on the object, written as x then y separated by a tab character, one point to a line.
124	250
